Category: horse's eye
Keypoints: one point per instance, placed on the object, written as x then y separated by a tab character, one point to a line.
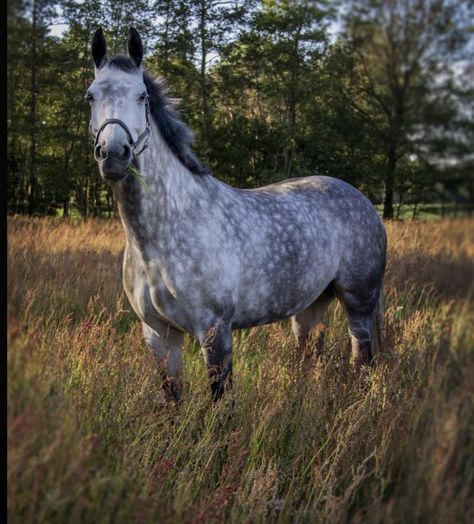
143	97
89	97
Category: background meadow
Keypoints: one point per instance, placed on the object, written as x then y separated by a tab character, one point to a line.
90	440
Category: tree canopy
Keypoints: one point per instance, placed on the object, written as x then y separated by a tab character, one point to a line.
378	93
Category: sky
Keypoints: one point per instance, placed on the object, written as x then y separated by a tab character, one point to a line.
57	29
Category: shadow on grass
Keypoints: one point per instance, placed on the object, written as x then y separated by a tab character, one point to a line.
450	278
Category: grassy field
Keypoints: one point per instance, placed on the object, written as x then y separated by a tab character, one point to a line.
88	441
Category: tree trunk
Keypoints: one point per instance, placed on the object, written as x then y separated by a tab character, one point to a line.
110	204
14	162
166	60
203	79
32	189
471	198
415	209
294	78
389	182
399	207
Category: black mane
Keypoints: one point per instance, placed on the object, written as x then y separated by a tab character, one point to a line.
163	110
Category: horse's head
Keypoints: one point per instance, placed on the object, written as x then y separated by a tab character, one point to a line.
119	107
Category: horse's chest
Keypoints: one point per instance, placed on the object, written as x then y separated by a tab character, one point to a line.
147	294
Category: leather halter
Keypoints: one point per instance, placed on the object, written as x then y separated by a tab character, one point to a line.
134	145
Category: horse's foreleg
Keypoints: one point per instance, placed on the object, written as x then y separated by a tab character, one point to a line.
165	345
217	350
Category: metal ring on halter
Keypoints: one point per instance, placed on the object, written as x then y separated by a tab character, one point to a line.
144	136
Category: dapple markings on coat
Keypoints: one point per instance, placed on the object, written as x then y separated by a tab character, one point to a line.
205	258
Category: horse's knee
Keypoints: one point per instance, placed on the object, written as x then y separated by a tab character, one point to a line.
154	343
309	338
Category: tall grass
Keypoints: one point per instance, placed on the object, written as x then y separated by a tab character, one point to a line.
89	439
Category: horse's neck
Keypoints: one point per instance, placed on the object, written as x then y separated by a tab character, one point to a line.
166	187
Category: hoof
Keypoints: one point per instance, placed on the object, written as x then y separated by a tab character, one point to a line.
163	399
363	358
219	387
160	399
171	389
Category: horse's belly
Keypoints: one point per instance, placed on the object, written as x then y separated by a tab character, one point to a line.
259	306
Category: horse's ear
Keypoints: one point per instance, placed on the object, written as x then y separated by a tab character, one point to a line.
99	48
135	47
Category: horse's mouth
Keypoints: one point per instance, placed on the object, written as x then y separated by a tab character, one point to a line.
113	170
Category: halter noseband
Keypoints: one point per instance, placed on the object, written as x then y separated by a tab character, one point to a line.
134	145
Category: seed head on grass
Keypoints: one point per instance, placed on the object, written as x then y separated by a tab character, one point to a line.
88	443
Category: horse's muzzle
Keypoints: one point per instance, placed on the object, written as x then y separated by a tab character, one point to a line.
113	161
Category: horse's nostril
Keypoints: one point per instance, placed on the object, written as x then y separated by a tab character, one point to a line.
100	153
126	151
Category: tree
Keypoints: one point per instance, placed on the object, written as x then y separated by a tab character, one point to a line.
28	26
214	23
401	47
340	142
386	106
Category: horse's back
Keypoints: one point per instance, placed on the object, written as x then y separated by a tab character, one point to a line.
325	188
332	202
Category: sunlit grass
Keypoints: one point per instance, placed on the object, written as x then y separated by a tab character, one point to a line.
88	441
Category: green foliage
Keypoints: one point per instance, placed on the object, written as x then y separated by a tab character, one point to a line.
137	176
266	89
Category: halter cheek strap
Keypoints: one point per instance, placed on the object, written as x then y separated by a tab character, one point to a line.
145	136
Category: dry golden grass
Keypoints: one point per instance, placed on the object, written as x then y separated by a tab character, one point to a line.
87	441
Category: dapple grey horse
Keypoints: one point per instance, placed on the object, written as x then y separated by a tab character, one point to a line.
205	258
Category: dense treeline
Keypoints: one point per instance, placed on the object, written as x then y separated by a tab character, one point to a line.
379	93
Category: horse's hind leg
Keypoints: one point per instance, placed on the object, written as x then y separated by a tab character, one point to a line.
361	332
308	325
165	344
217	350
360	304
